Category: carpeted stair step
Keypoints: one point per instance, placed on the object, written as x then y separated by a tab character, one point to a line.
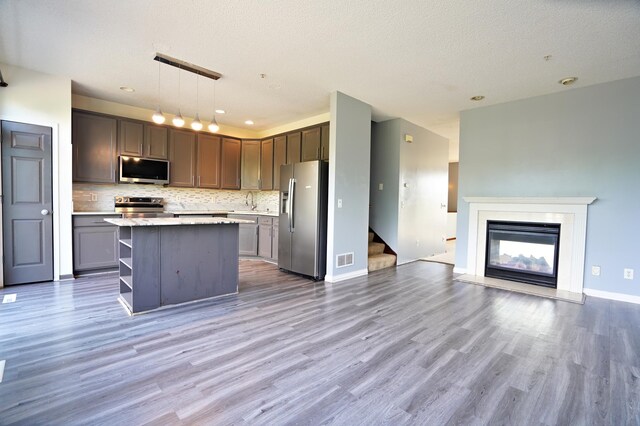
376	248
370	236
381	261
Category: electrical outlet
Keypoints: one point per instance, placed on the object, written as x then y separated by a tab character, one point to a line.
380	186
628	274
339	203
94	196
595	271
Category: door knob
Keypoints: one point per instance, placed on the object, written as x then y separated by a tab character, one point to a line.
44	212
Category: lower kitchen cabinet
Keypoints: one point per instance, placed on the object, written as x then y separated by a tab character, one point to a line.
274	239
248	235
265	232
95	243
259	238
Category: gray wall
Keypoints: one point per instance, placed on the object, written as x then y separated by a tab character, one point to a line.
385	170
409	210
349	156
579	142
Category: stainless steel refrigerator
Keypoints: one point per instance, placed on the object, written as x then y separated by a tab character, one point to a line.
302	233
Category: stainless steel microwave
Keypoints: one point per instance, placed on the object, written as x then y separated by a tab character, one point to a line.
143	170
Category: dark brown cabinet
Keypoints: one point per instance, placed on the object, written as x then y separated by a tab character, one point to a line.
250	165
182	154
95	149
266	164
279	158
311	144
208	161
156	142
324	143
131	138
230	163
293	147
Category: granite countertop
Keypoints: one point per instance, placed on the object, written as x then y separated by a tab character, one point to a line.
197	211
169	221
96	213
272	213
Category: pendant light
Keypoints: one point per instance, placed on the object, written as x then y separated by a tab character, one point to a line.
196	124
213	126
178	121
157	116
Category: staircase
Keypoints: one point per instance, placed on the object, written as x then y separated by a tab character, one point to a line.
378	259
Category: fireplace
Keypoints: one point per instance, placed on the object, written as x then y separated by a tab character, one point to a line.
569	212
523	251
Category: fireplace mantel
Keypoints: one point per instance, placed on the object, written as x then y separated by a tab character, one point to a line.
569	212
531	200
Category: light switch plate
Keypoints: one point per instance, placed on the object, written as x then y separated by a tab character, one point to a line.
380	186
595	271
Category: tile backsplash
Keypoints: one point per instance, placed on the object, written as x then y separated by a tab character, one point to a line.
94	197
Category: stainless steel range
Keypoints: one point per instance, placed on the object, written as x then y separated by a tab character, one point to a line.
140	207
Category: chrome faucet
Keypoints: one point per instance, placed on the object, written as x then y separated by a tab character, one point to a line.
246	200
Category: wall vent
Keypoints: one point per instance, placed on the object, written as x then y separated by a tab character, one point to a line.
344	259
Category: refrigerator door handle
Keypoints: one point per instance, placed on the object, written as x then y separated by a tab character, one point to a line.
289	204
292	218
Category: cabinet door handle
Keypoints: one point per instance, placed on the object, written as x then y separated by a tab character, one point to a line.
318	153
198	180
191	180
141	150
322	153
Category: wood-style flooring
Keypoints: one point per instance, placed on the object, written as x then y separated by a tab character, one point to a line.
400	346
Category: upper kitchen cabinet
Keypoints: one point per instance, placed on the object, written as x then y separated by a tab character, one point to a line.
182	154
250	165
230	164
143	140
208	159
156	142
293	147
324	142
131	138
266	164
95	150
311	144
279	158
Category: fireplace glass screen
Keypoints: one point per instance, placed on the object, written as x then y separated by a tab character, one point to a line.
526	252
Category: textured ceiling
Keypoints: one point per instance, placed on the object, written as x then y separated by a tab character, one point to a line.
416	59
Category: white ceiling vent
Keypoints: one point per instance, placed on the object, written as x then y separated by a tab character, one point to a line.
345	259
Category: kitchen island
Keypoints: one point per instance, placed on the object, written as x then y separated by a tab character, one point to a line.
167	261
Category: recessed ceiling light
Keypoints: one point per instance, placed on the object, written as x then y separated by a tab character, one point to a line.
127	89
568	81
221	111
249	122
477	98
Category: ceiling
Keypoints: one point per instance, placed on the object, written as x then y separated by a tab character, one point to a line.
417	59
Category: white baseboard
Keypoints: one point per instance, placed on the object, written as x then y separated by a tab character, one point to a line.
620	297
457	270
337	278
